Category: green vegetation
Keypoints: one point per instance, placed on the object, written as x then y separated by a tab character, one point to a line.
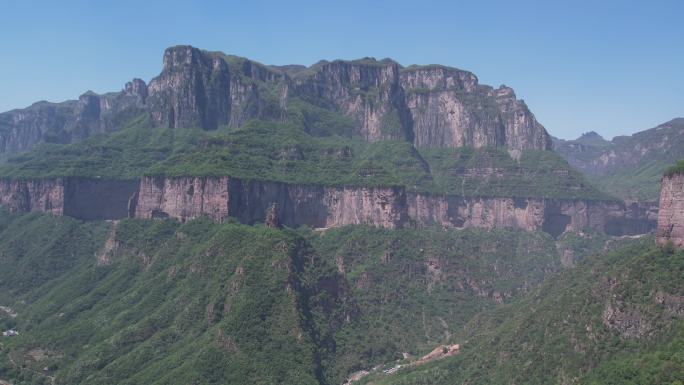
206	303
197	303
316	148
629	167
676	169
616	319
492	172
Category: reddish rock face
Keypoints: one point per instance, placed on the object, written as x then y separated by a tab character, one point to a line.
671	212
80	198
324	207
46	195
182	198
250	202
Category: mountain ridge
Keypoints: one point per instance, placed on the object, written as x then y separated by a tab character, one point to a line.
628	166
430	106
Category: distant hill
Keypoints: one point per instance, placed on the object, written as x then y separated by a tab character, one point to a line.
628	167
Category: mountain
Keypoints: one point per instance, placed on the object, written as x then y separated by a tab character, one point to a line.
160	302
430	106
348	222
337	143
618	318
629	167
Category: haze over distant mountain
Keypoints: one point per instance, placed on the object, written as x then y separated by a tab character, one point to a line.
627	166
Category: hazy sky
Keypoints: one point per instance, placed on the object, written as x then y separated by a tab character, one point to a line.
615	67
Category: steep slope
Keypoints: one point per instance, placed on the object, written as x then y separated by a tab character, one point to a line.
615	319
627	166
198	304
671	207
430	106
159	302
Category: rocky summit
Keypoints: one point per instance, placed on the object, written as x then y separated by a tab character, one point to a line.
430	106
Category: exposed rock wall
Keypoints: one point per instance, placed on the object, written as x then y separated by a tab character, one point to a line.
366	90
322	207
80	198
71	121
98	199
250	202
193	90
182	198
46	195
533	214
431	106
671	211
450	109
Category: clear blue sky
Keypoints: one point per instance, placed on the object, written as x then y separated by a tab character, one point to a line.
615	67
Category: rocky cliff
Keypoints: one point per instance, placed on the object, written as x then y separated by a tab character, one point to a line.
45	195
252	202
431	106
323	207
366	90
76	197
71	121
671	211
450	109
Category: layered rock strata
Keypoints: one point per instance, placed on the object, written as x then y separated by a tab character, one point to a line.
81	198
322	207
250	202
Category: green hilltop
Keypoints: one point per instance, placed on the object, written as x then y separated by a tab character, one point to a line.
318	150
677	168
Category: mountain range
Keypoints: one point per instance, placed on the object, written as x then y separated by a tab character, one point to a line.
349	222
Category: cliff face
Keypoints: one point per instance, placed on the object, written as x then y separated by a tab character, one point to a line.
671	211
430	106
92	199
46	195
71	121
76	197
252	202
191	91
323	207
450	109
366	90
